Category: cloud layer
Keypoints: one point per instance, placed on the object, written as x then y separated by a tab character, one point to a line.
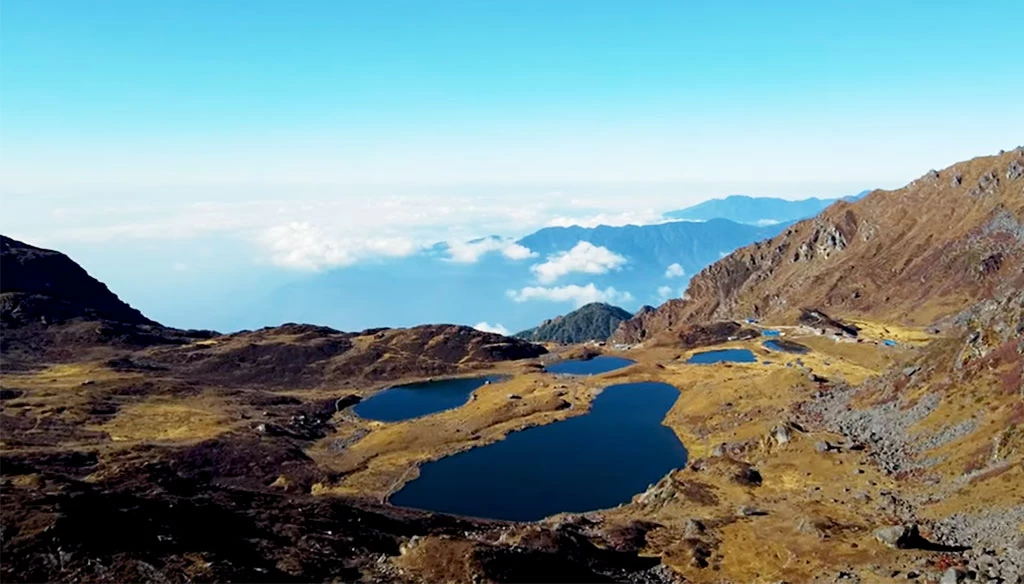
470	252
489	328
578	295
306	247
584	257
337	225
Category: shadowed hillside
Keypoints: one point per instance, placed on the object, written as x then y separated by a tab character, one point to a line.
40	285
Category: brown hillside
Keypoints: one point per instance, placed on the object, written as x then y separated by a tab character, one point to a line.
911	255
302	356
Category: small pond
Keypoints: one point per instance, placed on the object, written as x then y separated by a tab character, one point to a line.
593	461
403	402
786	347
723	356
594	366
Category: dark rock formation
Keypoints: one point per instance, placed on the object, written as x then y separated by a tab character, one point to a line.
40	285
593	322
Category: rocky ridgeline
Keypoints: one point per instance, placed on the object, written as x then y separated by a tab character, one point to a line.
929	249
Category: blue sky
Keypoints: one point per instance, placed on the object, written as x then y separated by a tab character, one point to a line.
127	92
176	137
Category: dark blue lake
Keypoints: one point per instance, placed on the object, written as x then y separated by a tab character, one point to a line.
723	356
595	366
403	402
786	347
593	461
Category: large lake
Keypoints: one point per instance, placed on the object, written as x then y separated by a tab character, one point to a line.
403	402
593	366
594	461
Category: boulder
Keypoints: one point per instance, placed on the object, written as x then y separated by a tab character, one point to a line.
748	476
748	511
781	434
952	576
897	536
694	528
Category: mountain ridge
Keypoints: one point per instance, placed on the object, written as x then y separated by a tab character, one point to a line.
953	234
595	321
758	210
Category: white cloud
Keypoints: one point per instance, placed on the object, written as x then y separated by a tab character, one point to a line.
767	222
179	266
668	293
515	251
584	257
352	221
643	217
675	271
578	295
488	328
307	247
471	252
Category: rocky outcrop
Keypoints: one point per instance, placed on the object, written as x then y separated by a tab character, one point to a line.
818	319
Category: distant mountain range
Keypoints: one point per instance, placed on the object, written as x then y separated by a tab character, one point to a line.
656	262
691	245
593	322
499	283
757	210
